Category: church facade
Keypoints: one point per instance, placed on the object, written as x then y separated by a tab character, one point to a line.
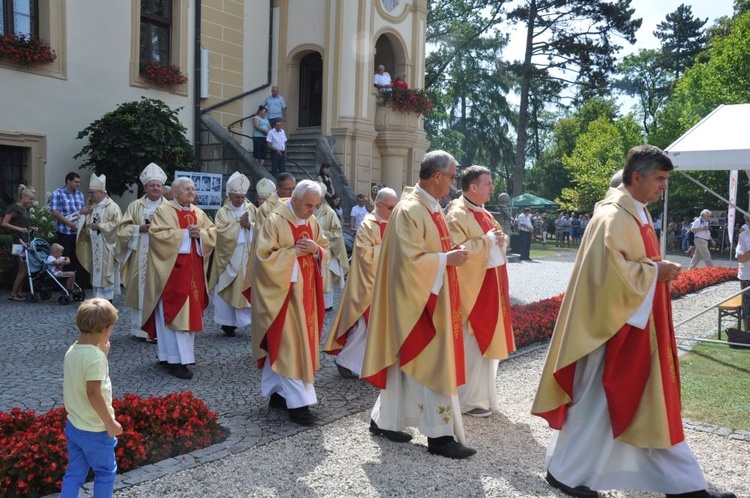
322	54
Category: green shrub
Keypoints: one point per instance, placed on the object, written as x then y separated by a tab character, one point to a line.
124	141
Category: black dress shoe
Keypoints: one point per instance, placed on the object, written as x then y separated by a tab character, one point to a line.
180	371
229	330
578	491
344	372
277	401
395	436
451	449
703	493
302	416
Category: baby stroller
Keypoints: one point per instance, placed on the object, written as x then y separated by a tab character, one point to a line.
41	279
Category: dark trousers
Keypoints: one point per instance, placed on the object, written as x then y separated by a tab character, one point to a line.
278	163
525	249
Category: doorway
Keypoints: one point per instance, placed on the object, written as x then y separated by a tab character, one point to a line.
310	90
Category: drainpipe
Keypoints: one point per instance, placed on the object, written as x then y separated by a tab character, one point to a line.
268	76
197	83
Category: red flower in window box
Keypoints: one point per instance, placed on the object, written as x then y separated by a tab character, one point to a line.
25	51
163	75
407	100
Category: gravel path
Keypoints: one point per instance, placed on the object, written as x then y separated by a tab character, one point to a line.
342	459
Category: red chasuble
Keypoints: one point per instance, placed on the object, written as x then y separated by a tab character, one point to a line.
186	283
424	330
484	315
627	362
311	279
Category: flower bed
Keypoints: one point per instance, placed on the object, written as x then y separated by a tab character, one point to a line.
33	454
25	51
535	322
409	101
163	75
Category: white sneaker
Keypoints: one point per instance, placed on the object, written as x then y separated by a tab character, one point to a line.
479	413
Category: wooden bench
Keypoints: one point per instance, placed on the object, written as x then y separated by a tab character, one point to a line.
731	308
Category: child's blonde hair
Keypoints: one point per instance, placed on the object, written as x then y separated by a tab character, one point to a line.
56	247
95	315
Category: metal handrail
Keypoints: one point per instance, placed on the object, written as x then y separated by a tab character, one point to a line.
229	128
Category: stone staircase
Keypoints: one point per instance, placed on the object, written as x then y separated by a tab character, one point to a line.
301	152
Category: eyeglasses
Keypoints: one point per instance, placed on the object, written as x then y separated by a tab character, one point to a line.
452	177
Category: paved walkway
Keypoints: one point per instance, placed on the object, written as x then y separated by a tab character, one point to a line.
37	335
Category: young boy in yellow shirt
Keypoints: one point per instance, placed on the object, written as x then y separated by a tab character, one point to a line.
87	393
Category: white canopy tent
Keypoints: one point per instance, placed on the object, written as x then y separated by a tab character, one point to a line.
719	142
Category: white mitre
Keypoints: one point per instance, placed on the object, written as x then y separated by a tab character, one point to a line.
238	184
153	172
98	182
265	187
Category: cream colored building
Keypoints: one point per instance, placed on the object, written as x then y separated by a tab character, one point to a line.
43	108
321	53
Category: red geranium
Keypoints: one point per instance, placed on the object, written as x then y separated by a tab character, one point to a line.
25	51
33	452
163	75
535	322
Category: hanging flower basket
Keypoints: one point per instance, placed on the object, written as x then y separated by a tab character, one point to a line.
163	76
25	51
409	101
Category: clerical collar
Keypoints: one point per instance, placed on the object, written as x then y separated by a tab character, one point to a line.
237	209
638	204
640	207
435	203
152	204
473	203
299	221
184	208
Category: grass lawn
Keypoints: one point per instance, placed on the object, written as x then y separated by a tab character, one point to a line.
716	385
539	250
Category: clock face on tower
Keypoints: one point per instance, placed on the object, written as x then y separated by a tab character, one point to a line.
390	5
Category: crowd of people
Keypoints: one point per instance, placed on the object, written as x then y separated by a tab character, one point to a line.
423	316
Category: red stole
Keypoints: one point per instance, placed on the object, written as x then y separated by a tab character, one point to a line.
311	278
628	359
186	283
627	362
424	330
484	316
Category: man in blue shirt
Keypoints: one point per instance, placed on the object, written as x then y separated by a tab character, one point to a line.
276	106
67	204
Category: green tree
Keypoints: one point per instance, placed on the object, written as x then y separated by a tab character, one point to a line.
599	152
645	78
682	38
547	177
124	141
723	79
570	41
472	116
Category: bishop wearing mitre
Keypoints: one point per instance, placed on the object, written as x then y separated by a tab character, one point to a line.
132	242
97	238
230	273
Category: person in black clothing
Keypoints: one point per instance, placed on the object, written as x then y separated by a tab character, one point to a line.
324	177
17	222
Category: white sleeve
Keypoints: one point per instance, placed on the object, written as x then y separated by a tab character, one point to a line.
185	246
640	317
436	286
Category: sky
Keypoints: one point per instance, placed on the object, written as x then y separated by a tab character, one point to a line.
652	12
